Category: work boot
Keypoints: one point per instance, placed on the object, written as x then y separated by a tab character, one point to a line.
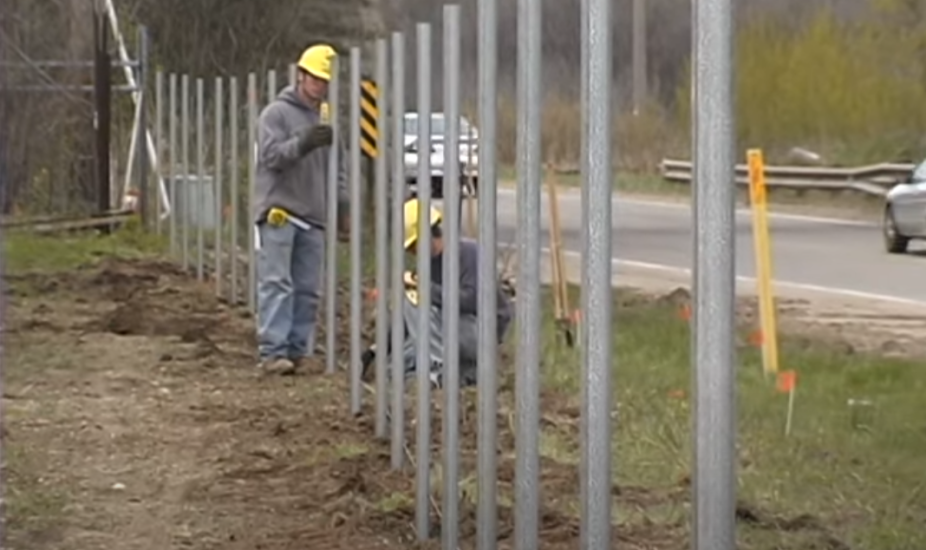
277	365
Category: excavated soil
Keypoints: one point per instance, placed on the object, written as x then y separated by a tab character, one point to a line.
135	419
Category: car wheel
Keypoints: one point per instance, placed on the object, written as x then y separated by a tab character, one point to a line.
894	242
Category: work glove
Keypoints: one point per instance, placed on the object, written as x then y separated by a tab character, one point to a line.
313	137
410	280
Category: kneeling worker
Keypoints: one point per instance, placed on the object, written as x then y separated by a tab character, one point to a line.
469	290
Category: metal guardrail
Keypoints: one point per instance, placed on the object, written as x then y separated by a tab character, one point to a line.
874	179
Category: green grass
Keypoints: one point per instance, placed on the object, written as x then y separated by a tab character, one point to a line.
24	251
865	483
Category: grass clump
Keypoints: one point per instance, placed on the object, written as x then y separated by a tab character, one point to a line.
833	477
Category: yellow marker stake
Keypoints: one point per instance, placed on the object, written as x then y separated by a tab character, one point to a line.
763	253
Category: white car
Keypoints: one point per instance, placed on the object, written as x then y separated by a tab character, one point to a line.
468	142
905	212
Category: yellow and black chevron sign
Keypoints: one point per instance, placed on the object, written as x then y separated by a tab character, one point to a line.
369	113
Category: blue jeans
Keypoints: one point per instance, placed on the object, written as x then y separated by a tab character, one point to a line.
289	272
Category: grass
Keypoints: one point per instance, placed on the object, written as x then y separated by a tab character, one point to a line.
863	483
24	251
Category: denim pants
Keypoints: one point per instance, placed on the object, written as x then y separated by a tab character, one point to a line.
289	272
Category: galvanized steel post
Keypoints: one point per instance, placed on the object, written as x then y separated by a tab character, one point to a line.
423	356
487	462
451	277
382	239
596	411
235	143
251	151
200	177
172	170
714	487
217	182
185	153
527	392
158	144
331	231
398	252
356	239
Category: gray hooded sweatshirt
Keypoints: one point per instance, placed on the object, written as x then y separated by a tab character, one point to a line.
285	180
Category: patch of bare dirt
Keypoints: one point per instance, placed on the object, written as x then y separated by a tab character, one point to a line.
134	419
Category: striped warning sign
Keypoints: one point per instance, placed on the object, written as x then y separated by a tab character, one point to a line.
369	113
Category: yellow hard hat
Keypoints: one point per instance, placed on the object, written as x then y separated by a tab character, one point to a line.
412	213
316	60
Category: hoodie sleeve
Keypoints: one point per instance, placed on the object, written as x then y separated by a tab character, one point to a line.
343	189
276	150
468	283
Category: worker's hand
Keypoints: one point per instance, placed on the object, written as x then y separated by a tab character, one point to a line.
311	138
410	280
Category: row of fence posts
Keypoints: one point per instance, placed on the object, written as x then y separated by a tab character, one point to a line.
200	204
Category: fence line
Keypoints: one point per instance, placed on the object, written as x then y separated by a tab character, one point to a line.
208	229
874	179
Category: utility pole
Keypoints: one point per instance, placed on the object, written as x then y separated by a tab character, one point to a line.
639	55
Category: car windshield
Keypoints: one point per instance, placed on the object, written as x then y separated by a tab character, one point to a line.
438	125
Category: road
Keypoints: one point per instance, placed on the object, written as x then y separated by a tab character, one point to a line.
809	254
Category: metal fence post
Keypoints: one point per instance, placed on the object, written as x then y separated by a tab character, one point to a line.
382	238
451	279
596	410
335	163
487	388
200	177
423	356
398	251
356	239
185	145
142	140
527	444
217	182
235	143
172	170
251	151
158	141
714	487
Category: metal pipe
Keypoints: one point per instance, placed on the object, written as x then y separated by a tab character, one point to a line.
234	143
141	143
527	393
356	239
714	487
398	251
597	364
217	179
158	140
200	177
451	280
331	231
172	170
251	151
423	356
487	388
382	239
185	145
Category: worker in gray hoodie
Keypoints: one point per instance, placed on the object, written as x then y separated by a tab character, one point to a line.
291	213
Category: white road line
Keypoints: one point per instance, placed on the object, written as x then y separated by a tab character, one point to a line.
573	195
834	291
805	287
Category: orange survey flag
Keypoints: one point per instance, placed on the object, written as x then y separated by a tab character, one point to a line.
787	380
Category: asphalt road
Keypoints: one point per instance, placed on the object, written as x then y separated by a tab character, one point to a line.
808	253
